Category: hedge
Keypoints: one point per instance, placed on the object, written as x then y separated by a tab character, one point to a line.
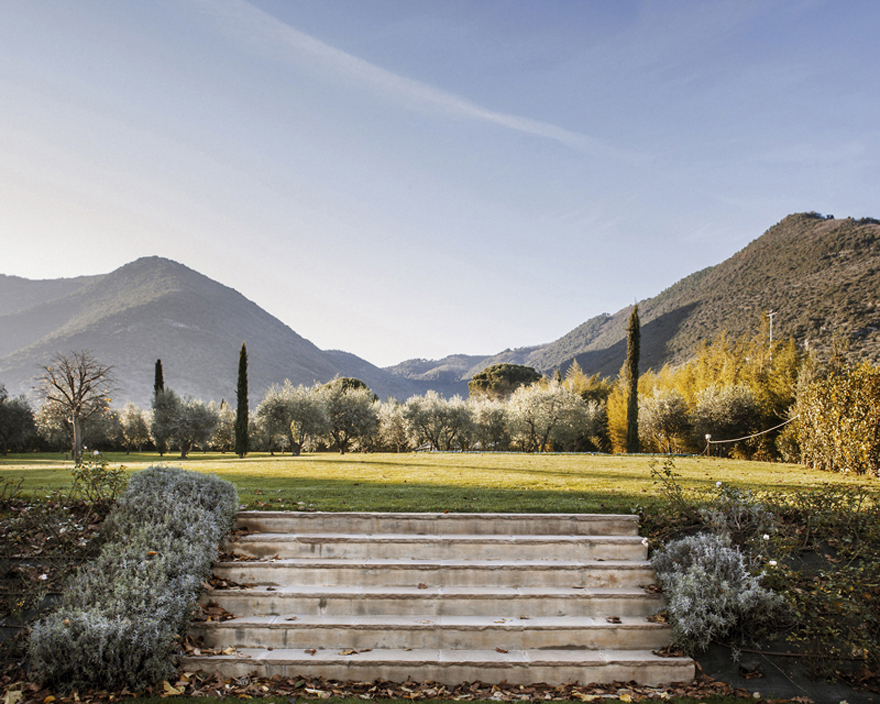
120	620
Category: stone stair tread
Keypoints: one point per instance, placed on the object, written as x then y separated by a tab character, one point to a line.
431	655
435	591
445	563
379	538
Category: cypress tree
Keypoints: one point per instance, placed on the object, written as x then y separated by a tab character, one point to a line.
241	415
633	335
159	380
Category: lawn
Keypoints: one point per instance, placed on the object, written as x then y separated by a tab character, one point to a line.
455	482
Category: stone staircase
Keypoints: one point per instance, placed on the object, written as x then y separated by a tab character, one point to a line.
448	598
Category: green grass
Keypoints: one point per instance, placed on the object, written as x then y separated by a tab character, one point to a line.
441	481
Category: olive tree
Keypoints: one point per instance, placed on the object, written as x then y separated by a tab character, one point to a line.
194	425
664	423
393	428
441	423
135	424
291	417
351	415
490	420
547	413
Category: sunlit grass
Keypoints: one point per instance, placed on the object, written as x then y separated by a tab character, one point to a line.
452	482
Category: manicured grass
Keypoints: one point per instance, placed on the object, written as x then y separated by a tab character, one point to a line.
452	482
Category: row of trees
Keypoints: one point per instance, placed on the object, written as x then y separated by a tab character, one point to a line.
748	397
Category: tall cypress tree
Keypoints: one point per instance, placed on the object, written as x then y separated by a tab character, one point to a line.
241	415
633	341
159	380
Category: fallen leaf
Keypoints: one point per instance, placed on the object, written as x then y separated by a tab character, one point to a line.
170	690
500	650
524	618
422	585
613	619
12	697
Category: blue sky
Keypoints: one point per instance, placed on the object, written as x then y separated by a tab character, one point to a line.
415	178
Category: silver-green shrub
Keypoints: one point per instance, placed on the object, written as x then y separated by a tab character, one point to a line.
121	617
710	589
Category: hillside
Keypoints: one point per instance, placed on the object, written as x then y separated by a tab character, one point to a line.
821	276
155	308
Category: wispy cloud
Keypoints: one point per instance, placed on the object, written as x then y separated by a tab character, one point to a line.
269	34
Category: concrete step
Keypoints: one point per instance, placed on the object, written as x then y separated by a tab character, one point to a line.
440	632
438	523
442	573
443	597
433	601
451	667
442	546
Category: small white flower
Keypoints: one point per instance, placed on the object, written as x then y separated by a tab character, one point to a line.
772	563
645	542
44	577
756	695
718	484
766	536
96	453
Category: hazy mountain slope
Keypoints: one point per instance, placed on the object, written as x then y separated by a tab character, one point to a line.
156	308
820	275
384	383
17	293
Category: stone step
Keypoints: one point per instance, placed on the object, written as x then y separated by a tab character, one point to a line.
432	601
444	597
441	546
438	523
396	572
441	632
451	667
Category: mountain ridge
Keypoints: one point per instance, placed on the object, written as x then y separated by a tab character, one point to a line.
819	274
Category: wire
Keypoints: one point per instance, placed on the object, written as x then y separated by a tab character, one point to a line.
749	437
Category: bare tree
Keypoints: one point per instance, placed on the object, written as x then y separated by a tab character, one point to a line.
78	386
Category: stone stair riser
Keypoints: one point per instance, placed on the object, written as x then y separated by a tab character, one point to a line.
275	574
432	604
453	673
653	636
302	546
432	524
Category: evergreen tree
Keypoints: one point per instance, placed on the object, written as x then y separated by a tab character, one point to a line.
241	416
633	335
159	380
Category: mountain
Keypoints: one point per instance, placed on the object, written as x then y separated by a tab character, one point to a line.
155	308
820	275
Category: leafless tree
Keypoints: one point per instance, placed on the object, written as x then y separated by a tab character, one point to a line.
78	385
